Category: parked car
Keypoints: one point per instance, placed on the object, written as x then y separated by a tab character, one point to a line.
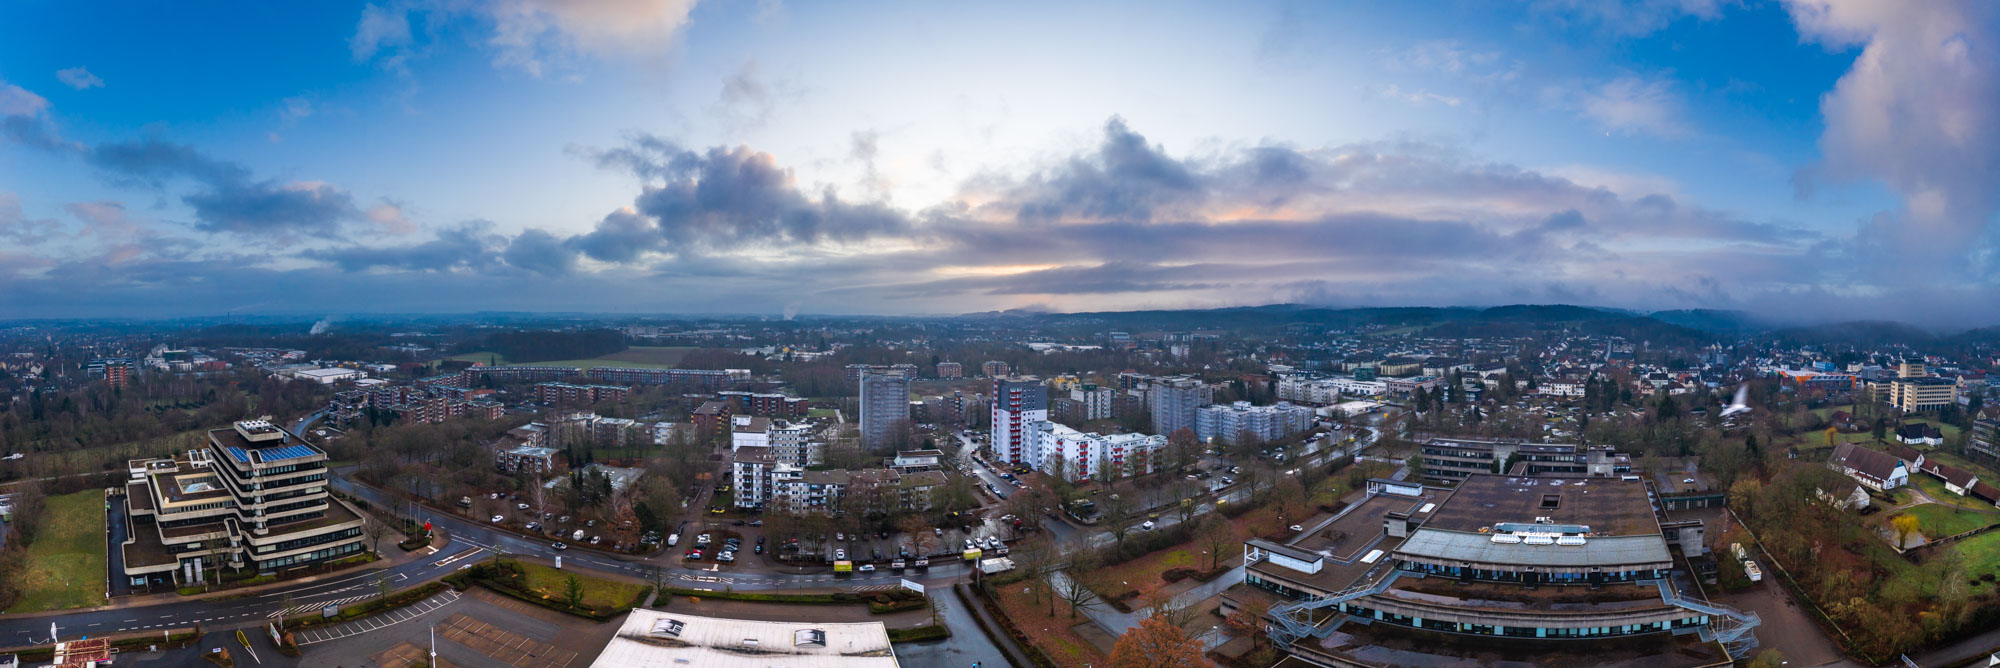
839	536
759	549
725	557
596	539
534	526
497	519
563	520
520	506
693	555
1148	525
757	523
840	554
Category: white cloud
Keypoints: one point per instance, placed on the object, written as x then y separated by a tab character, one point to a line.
18	101
528	34
1630	105
389	215
1420	96
379	28
1919	111
79	78
1630	18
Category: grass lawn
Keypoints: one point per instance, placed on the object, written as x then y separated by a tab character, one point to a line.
1981	552
1051	633
597	592
645	357
1944	496
1940	520
66	565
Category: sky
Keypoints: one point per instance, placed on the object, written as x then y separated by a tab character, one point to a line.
1815	159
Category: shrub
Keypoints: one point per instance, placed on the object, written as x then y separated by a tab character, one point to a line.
895	606
1177	574
932	632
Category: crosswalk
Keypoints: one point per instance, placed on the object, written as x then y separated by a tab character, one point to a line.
309	607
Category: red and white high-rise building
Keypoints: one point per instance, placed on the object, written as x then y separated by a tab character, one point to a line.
1018	403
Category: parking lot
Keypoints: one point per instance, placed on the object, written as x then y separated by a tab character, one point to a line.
878	549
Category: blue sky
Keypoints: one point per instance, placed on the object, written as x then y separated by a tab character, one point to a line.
1810	158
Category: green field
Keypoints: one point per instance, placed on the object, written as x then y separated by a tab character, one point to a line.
66	564
597	592
664	357
1941	520
1981	552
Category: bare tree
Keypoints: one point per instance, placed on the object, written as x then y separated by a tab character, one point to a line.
1214	534
1069	586
1118	513
375	529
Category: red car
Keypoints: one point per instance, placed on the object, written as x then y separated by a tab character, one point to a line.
694	555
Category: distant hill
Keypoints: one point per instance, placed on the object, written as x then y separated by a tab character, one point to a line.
1859	333
1713	320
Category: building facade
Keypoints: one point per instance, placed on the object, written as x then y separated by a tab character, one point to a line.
1019	402
885	405
255	499
1267	423
1173	401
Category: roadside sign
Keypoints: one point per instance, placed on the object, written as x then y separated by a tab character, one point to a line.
912	586
330	611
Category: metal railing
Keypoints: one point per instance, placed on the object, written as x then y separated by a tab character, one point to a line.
1293	620
1732	628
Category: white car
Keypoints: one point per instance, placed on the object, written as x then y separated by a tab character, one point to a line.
839	554
520	506
840	536
497	519
868	568
1148	526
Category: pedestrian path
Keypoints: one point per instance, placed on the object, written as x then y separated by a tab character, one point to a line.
387	619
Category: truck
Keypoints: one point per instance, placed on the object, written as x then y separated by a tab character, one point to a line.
972	554
898	565
843	567
995	565
1750	569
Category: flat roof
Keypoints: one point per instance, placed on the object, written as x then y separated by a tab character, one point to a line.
654	638
1604	551
1609	506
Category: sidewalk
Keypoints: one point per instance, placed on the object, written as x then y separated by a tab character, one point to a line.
992	627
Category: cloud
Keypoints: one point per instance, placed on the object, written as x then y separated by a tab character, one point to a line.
23	231
79	78
538	251
723	198
1420	96
105	220
1630	105
1125	178
1628	18
378	28
528	35
230	199
18	101
1918	111
467	246
388	215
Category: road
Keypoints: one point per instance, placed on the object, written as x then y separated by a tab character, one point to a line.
470	542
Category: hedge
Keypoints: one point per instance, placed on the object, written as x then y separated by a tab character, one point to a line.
415	544
1183	573
921	633
818	599
881	608
364	609
488	575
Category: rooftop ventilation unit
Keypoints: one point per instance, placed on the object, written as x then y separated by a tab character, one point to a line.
1505	538
1570	540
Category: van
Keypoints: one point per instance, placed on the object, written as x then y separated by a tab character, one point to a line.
576	536
673	540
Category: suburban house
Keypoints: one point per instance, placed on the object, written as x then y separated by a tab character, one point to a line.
1879	471
1958	480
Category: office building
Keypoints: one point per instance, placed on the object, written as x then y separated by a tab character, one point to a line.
1458	458
254	500
1985	440
1497	570
1018	403
885	406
